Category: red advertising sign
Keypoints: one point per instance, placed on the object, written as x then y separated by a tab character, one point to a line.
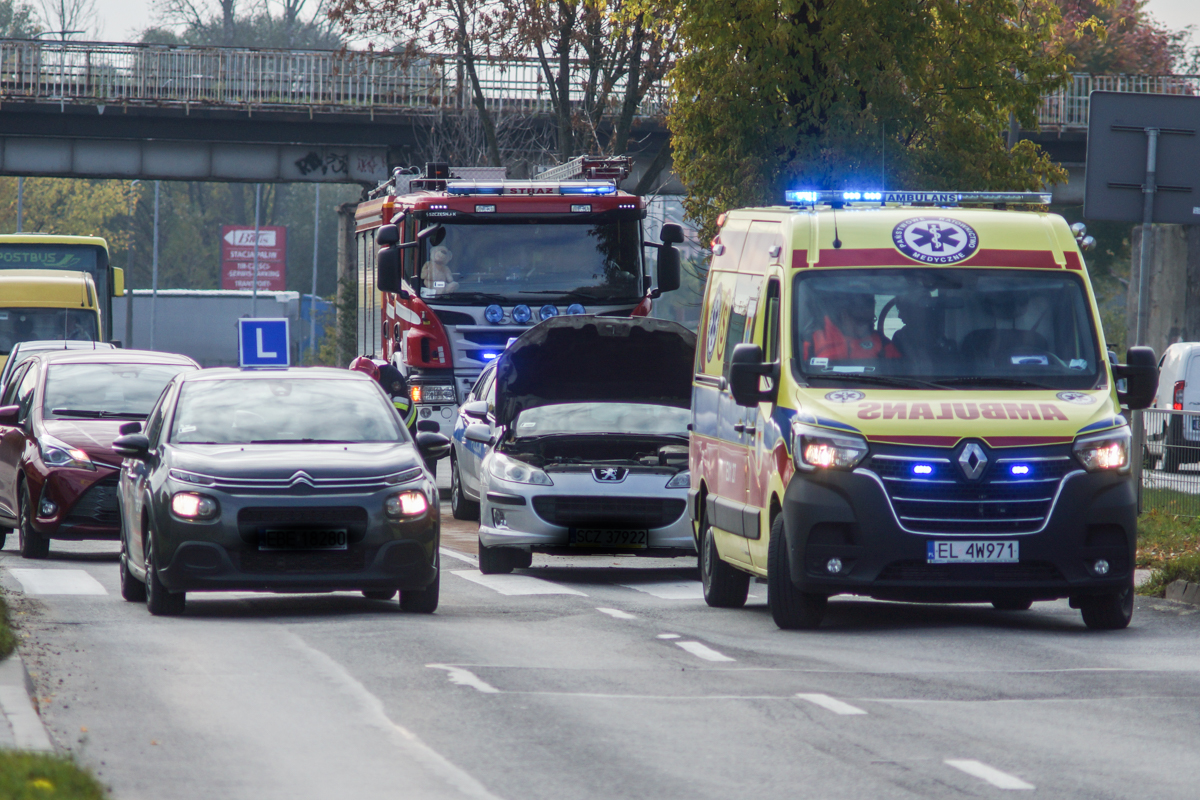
237	257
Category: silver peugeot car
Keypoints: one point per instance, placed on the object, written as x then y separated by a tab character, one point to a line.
588	450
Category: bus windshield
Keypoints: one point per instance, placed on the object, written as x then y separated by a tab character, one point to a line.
985	328
533	262
29	324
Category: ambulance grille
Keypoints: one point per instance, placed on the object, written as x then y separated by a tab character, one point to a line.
942	500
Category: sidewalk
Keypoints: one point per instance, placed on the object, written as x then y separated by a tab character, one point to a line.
21	728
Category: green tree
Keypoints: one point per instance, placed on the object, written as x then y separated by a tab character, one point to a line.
18	20
777	94
1119	36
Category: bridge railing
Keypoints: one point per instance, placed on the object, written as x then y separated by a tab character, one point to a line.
161	75
1067	108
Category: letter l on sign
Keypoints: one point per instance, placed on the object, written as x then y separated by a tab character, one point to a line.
263	343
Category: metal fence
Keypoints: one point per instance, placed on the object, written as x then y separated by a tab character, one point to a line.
1067	108
97	73
1168	472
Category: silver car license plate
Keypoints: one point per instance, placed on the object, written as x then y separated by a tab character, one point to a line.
604	537
969	551
303	539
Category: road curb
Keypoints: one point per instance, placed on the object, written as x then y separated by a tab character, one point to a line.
1182	591
19	706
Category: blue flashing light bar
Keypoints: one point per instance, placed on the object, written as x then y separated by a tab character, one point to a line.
475	188
907	198
922	469
1019	469
588	188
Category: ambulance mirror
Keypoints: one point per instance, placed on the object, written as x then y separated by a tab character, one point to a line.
1140	372
745	368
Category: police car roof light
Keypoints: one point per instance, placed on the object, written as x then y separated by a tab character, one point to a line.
908	198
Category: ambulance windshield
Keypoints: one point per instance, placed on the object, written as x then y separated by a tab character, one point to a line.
952	327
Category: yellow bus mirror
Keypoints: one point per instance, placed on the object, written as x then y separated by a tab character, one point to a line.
118	282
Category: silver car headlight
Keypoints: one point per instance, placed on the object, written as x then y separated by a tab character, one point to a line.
682	480
1105	451
60	454
509	469
822	448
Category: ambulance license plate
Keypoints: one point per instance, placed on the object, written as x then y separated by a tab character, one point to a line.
972	552
603	537
292	539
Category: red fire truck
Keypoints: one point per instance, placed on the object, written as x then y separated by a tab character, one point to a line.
467	260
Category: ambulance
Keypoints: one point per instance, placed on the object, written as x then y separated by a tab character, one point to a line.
907	396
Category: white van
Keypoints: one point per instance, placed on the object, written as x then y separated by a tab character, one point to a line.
1175	440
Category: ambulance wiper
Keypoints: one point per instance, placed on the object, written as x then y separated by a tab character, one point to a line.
881	380
995	380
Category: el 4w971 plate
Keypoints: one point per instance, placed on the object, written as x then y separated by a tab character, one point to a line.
973	552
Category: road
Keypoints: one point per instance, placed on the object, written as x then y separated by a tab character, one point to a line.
599	678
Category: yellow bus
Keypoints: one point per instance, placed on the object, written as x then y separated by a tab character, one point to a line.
38	304
88	254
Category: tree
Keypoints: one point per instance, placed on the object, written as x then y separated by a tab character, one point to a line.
70	16
1119	36
68	206
201	23
778	94
18	20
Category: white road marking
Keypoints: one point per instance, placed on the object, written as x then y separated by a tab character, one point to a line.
57	581
831	704
668	636
464	677
515	584
472	560
703	651
977	769
616	613
679	590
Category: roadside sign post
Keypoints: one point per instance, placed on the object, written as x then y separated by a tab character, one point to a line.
263	343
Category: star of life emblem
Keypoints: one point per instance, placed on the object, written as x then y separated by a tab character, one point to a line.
935	240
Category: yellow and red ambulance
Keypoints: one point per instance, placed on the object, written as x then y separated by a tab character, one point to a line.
908	396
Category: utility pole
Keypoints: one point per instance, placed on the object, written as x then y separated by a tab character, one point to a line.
254	287
20	201
312	298
154	268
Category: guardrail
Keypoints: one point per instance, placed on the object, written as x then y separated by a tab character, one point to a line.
98	73
1168	470
1067	108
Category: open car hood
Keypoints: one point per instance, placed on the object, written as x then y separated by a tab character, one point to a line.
577	359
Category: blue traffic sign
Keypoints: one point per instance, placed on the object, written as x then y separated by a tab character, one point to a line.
264	342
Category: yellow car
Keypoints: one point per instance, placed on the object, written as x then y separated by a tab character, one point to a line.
903	397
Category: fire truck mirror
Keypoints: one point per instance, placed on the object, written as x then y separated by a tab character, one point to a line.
387	270
387	235
435	235
671	234
668	268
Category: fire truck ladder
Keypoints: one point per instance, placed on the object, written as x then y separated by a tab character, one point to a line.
613	168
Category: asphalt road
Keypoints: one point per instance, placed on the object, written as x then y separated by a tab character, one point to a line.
599	678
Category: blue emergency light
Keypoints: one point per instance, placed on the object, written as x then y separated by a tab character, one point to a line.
1019	469
590	188
474	188
922	469
810	197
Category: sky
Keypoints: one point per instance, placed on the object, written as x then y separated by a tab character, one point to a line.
121	20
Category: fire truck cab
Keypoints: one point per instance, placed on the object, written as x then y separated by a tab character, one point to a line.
456	262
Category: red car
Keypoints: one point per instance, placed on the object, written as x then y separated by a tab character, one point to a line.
58	416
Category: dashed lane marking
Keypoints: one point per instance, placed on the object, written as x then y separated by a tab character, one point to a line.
667	636
57	581
977	769
472	560
703	651
515	584
678	590
831	704
616	613
464	677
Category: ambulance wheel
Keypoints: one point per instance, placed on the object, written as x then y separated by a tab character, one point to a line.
724	586
460	506
791	608
1013	604
1108	612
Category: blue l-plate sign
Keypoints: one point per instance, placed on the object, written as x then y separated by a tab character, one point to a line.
264	342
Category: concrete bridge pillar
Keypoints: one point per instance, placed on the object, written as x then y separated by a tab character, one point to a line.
1173	294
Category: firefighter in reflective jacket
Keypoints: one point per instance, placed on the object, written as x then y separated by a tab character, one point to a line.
393	382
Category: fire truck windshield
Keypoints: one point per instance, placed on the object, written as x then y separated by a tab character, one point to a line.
600	262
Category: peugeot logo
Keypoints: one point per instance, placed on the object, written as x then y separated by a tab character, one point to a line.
973	461
610	474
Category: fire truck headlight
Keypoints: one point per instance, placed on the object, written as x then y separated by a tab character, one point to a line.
521	314
548	311
494	314
576	309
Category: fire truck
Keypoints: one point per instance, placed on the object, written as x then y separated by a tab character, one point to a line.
455	262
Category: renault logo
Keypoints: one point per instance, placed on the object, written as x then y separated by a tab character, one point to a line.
973	461
610	474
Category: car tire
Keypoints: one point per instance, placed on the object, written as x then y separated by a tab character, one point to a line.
132	589
31	543
422	601
791	608
494	560
460	506
1012	604
159	601
724	586
1108	612
379	594
4	532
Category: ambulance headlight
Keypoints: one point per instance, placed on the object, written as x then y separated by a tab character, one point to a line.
821	448
1105	451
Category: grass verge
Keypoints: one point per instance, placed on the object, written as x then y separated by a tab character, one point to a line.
42	776
8	640
1168	543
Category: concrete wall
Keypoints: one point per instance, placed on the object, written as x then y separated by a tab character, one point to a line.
203	324
1173	294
